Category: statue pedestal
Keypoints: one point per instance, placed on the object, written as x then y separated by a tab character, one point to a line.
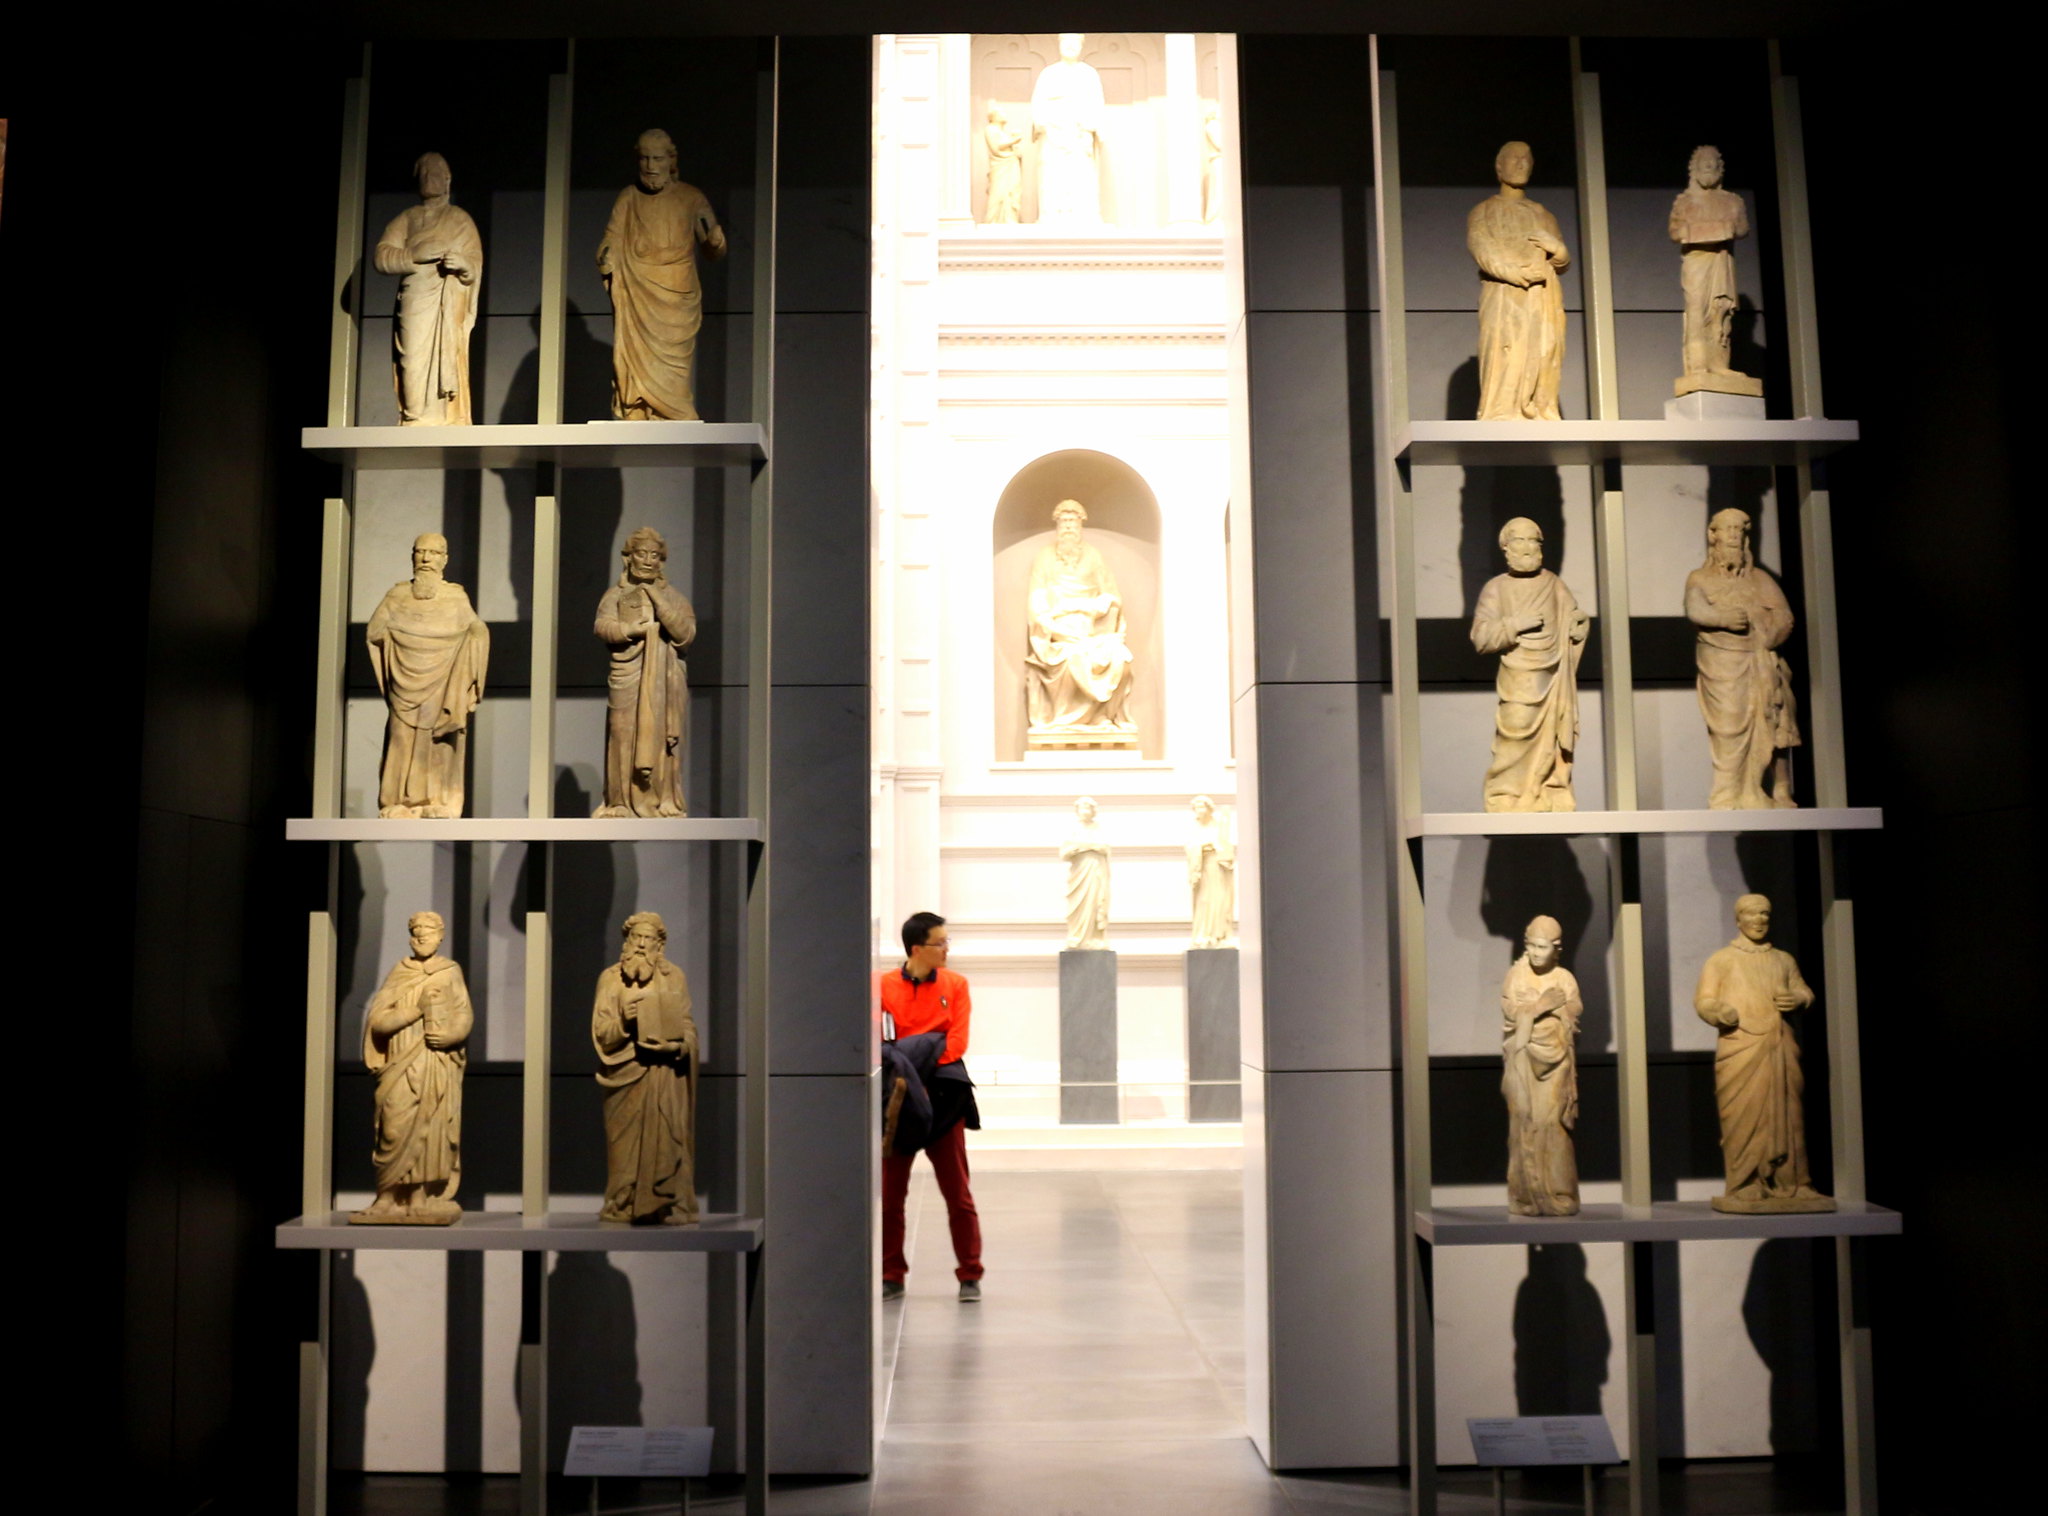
1088	1089
1715	405
1212	1035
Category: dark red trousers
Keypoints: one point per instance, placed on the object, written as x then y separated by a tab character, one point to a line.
949	1164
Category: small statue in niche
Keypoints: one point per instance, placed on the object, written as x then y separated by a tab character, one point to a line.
1005	205
435	250
649	262
1745	992
647	1046
1745	688
1212	162
414	1040
1066	117
1540	1010
647	623
1212	875
1521	257
1087	858
1531	619
429	650
1707	221
1078	669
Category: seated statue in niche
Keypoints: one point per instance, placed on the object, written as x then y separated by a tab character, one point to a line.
1741	619
1531	619
647	623
1539	1012
1078	670
1005	205
415	1037
649	263
1086	854
1521	257
1066	119
1707	221
647	1048
435	250
429	650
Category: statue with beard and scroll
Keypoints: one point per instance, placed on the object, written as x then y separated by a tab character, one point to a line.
435	249
1745	688
648	260
647	623
429	650
1532	620
1078	669
647	1046
414	1040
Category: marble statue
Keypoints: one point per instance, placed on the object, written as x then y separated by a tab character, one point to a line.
649	262
1539	1030
1529	617
429	650
414	1037
1087	859
1521	257
1746	989
1078	670
1066	120
1707	221
1005	205
647	1046
1212	162
434	249
1212	875
647	623
1745	688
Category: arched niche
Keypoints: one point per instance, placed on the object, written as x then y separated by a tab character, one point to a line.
1123	524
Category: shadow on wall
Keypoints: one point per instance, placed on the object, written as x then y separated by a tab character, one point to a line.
1492	497
1777	1311
1562	1344
353	1331
596	1382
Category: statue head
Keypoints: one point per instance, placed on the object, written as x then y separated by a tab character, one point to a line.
1728	540
1521	541
657	152
645	552
431	174
1753	916
429	563
1067	517
644	946
426	928
1203	807
1513	164
996	114
1084	809
1705	167
1542	943
1070	45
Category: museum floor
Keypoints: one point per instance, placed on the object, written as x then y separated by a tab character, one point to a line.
1101	1375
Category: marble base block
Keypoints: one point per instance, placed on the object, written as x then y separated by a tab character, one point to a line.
1212	1035
1088	1092
1714	405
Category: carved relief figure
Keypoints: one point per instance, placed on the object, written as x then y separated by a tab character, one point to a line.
1539	1013
1212	162
1078	671
1087	859
649	262
1521	257
647	1044
414	1040
1745	688
1707	221
429	650
647	623
1530	618
1066	118
1746	990
1005	205
1212	875
435	249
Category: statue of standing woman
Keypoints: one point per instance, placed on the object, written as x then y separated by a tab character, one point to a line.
1522	258
439	258
1087	859
1212	875
649	262
1707	221
1005	205
1539	1013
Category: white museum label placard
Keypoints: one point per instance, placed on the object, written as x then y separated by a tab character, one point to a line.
1521	1442
639	1452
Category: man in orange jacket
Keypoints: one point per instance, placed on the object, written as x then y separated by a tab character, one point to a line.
926	996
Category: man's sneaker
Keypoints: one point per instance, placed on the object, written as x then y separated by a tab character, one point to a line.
892	1289
970	1290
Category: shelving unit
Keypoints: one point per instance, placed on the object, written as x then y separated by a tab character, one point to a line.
547	446
1606	444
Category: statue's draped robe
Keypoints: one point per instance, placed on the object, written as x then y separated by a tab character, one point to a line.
1079	666
1212	875
1540	1078
436	312
1706	222
650	248
1758	1085
1536	723
1005	176
419	1089
431	657
1521	324
1745	688
650	1099
1067	112
647	721
1087	857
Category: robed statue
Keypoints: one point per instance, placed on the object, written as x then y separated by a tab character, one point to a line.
647	623
414	1040
647	1049
649	262
435	250
429	650
1539	1030
1066	119
1078	670
1532	620
1005	203
1521	257
1706	222
1086	855
1212	875
1741	619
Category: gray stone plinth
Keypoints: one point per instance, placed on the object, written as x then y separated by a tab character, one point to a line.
1088	1092
1212	1035
1712	405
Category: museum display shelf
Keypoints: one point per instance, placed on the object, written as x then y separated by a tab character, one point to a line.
1638	823
1660	1221
522	829
588	444
511	1231
1542	443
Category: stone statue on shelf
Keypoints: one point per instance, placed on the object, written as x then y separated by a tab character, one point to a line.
1212	162
1522	258
1087	860
1005	206
647	1046
1212	875
1529	617
1707	221
649	262
414	1040
1746	990
647	623
439	258
1078	670
429	650
1066	118
1745	688
1539	1015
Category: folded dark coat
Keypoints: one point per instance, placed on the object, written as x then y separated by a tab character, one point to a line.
922	1099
